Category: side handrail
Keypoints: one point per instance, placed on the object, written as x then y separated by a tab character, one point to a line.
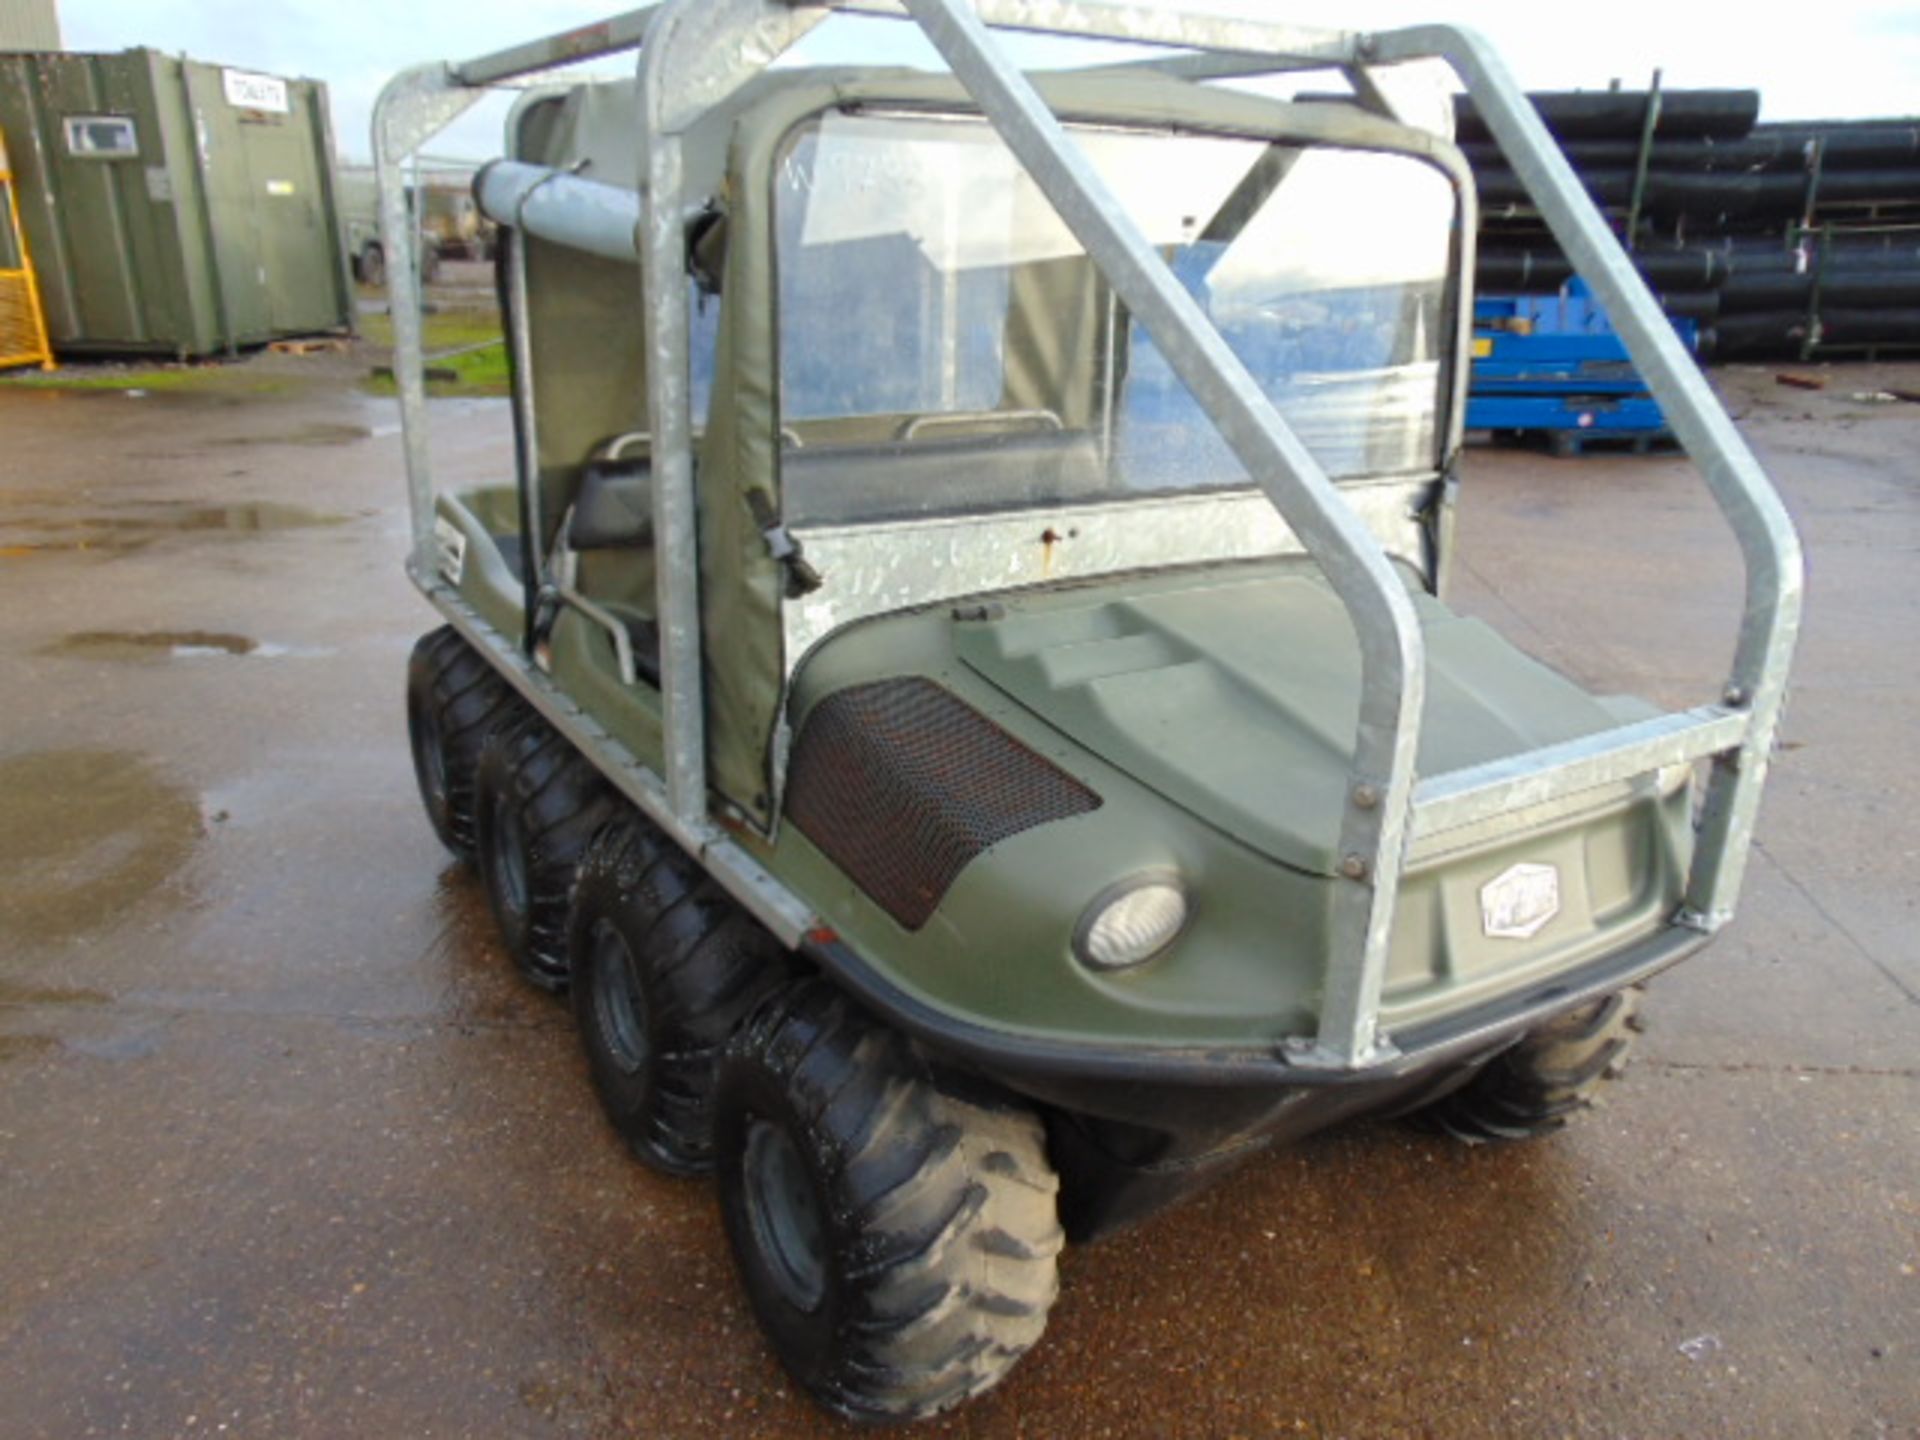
413	107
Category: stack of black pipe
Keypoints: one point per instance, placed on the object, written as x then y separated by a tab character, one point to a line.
1779	240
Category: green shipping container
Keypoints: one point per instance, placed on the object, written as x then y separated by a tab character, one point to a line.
172	206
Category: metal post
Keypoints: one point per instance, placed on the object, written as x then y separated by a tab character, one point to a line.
526	413
696	52
1816	166
415	106
663	239
1822	252
1643	160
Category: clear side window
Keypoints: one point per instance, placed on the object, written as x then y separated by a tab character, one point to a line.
1333	291
942	328
864	241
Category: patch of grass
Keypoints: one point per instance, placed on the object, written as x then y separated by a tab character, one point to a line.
475	372
445	330
172	378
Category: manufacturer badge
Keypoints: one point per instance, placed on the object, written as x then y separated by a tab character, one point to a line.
1518	902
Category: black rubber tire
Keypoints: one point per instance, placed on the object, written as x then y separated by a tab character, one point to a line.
663	967
933	1216
455	700
1533	1088
537	806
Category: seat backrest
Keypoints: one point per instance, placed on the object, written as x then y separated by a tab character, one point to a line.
613	508
904	479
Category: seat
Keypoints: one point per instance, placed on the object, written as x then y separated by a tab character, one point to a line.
613	508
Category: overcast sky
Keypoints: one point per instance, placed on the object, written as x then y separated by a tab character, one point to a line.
1839	58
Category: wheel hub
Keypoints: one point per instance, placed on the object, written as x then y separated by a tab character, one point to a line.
617	1000
784	1211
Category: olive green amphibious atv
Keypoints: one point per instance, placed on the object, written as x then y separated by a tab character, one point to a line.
960	688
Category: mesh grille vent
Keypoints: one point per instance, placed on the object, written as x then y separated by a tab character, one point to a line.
900	784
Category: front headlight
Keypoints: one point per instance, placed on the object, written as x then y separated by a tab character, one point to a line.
1131	923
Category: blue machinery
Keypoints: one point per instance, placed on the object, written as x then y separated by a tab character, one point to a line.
1553	364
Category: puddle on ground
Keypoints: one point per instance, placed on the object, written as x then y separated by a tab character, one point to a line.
157	644
136	524
25	1047
83	835
319	432
135	1044
19	992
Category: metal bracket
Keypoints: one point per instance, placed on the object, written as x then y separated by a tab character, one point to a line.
607	621
1305	1053
1705	923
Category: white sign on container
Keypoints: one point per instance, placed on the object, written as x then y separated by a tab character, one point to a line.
247	91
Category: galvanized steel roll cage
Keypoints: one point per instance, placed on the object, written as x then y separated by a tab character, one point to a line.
693	53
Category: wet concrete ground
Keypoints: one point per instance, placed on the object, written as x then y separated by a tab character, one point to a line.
285	1151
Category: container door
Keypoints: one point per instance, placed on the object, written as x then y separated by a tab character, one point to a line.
291	219
231	203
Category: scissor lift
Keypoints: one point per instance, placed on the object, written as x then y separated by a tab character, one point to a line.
1554	366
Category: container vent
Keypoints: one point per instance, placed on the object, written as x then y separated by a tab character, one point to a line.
901	785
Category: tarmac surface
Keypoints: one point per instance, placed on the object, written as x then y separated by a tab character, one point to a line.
286	1151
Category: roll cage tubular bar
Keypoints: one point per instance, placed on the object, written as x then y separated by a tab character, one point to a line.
693	53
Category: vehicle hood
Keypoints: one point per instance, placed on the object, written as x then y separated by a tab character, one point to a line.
1236	699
